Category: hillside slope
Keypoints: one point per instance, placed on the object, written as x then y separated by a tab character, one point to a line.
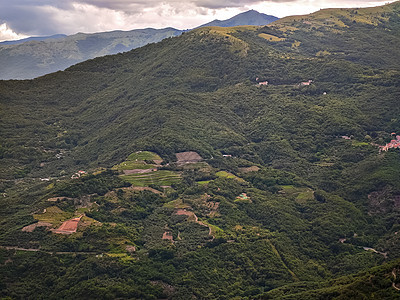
288	196
345	34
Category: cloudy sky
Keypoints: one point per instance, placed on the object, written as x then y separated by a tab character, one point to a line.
22	18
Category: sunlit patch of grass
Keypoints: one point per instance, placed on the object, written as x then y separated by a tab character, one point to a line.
144	155
271	37
204	182
224	174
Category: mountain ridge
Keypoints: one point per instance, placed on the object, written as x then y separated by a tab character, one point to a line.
38	38
45	55
42	57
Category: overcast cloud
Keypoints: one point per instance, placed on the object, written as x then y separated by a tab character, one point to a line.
21	18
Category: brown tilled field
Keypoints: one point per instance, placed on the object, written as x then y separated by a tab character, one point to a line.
188	157
69	226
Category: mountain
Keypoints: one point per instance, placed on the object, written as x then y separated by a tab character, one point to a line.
35	58
244	162
250	17
36	38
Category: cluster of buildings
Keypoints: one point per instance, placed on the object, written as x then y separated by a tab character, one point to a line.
395	143
78	174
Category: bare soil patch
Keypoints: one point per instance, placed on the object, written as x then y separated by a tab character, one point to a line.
130	248
249	169
188	157
168	236
32	227
183	212
137	171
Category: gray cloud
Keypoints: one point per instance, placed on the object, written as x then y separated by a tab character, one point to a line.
224	3
121	4
127	5
211	4
28	16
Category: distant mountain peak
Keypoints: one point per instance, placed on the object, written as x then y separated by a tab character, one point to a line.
250	17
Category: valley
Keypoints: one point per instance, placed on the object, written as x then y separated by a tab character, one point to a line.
169	172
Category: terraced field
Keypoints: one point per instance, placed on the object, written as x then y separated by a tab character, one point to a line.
53	215
131	165
148	162
139	160
144	155
162	177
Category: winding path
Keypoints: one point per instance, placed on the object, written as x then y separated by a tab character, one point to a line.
393	283
196	219
48	252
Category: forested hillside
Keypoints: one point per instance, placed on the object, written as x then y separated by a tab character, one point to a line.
248	162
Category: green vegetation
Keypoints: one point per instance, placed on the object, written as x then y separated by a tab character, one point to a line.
139	160
161	178
53	215
143	155
131	165
316	204
225	174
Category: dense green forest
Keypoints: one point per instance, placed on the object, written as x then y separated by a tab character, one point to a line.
170	172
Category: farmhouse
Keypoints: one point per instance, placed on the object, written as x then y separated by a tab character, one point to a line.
306	83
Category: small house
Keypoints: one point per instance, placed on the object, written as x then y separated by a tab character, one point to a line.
306	83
